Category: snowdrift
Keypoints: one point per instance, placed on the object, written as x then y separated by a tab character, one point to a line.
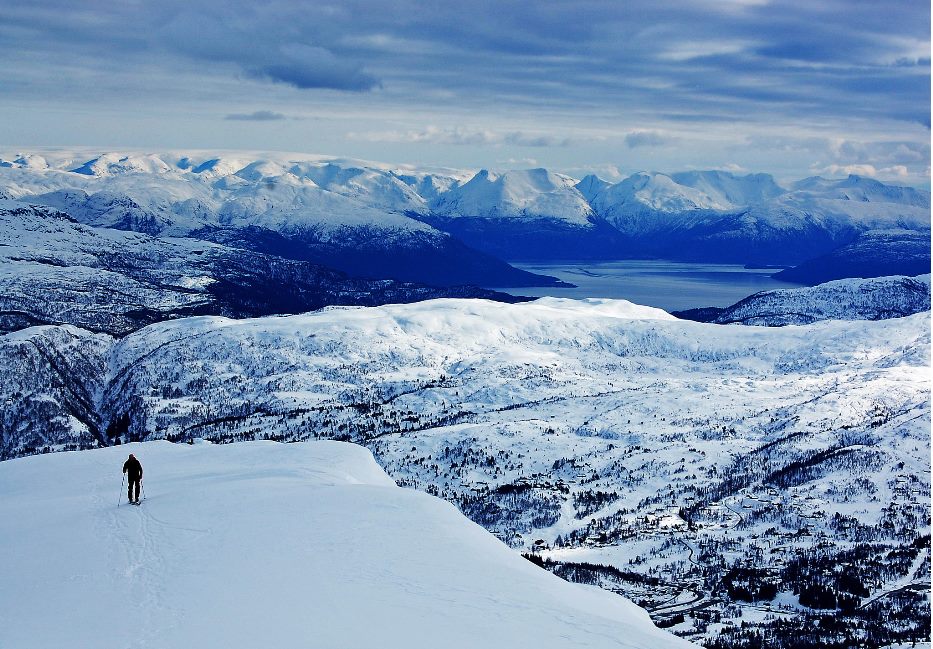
270	545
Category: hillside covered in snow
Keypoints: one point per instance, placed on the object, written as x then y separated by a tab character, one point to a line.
445	227
265	544
846	299
715	475
54	270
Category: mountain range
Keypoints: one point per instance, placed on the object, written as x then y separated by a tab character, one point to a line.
54	270
445	227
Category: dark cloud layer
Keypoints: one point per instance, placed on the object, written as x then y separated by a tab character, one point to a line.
645	62
863	56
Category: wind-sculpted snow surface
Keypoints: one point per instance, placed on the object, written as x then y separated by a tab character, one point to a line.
264	544
845	299
599	432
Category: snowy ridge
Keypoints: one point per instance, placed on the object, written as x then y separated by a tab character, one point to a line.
254	544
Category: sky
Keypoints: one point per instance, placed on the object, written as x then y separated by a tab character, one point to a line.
793	88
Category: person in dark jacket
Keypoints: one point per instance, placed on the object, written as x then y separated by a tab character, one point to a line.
134	473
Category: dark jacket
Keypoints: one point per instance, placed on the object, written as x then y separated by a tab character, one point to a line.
133	469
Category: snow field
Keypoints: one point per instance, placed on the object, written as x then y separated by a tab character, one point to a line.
265	544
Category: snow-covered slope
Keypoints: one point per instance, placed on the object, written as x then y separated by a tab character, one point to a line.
521	214
845	299
266	544
716	216
590	186
649	193
53	379
729	190
862	190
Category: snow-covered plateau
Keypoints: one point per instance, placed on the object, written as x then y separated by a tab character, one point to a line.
443	226
718	475
272	545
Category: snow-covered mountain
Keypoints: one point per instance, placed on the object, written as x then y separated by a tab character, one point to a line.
715	216
875	253
845	299
265	544
654	456
862	190
375	220
54	270
531	194
523	214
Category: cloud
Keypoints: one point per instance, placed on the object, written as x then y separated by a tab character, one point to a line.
705	60
431	135
460	136
893	172
524	139
680	51
731	167
845	152
306	67
273	40
256	116
606	171
518	162
637	139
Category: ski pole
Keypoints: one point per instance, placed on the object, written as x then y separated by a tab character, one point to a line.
143	485
120	499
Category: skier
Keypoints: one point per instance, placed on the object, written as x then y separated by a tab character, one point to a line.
134	473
